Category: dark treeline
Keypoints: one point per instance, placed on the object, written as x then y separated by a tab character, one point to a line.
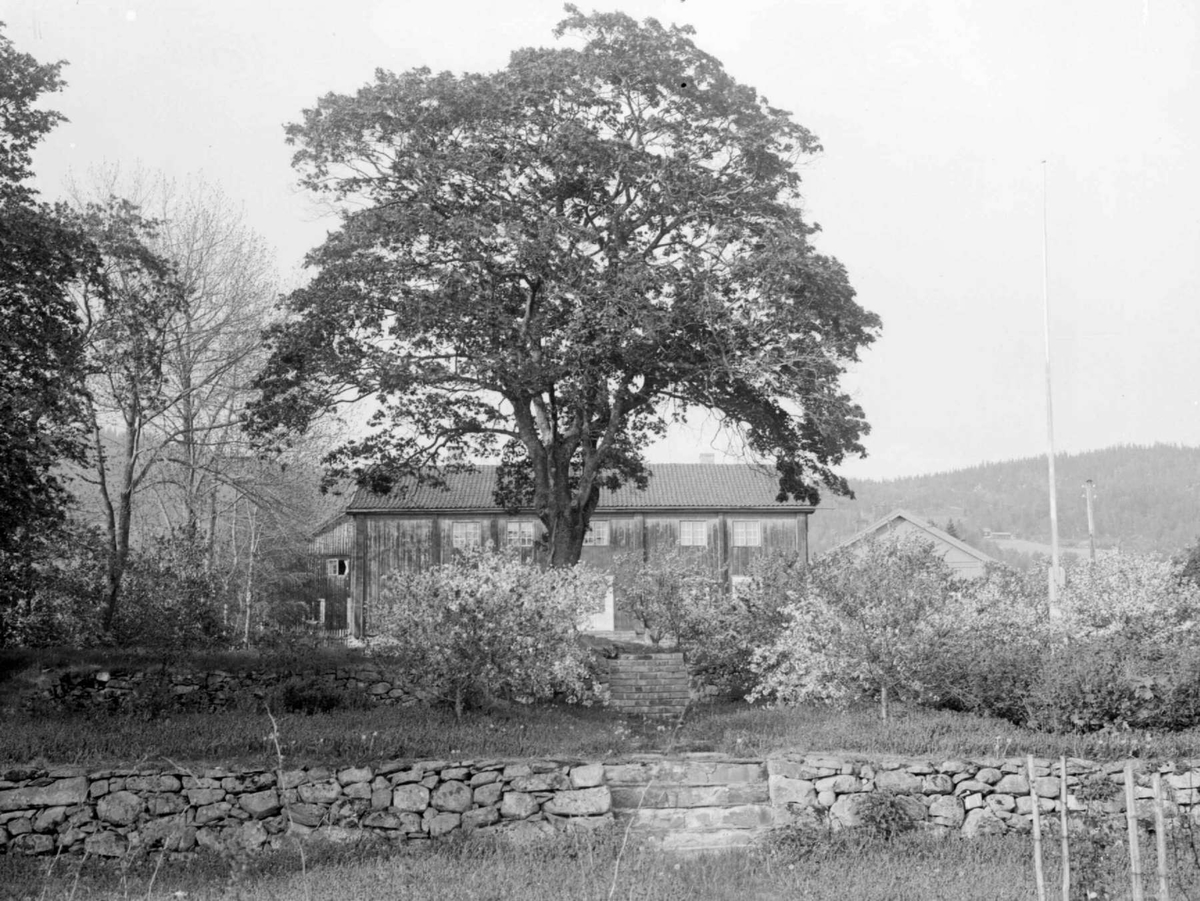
1147	499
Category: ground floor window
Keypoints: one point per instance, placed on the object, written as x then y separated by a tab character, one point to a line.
520	534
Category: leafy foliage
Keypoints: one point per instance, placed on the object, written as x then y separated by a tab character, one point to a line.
669	593
861	624
41	253
541	258
488	625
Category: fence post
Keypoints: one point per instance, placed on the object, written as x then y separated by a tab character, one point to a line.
1135	853
1039	874
1160	830
1066	844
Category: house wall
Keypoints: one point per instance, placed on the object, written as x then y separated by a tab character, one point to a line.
397	541
330	592
959	560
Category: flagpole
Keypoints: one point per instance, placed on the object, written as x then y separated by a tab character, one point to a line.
1054	560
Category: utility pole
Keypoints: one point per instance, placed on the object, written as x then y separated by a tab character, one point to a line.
1055	569
1088	487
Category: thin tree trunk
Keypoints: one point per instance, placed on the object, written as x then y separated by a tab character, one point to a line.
883	703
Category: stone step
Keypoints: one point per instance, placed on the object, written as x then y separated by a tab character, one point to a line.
749	817
701	842
633	797
668	773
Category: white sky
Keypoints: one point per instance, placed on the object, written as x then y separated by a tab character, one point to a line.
935	116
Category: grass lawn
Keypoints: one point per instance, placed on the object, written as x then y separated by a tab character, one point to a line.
362	736
910	867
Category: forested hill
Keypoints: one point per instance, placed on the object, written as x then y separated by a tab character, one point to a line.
1146	499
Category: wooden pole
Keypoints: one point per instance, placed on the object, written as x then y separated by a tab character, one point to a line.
1066	844
1088	487
1038	873
1055	569
1135	853
1160	837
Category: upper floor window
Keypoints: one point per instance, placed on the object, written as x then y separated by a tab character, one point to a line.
597	533
520	534
337	566
693	533
747	533
465	534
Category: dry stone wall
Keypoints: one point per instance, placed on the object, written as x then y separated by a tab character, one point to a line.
688	802
110	813
81	689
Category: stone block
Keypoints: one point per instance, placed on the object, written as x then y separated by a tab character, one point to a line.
199	797
785	790
953	767
325	792
452	796
982	822
62	793
748	816
360	790
998	803
487	778
989	774
480	817
842	784
1048	787
791	769
50	819
1046	805
518	806
588	776
260	805
937	784
1013	784
307	814
897	781
120	808
414	798
212	813
486	795
581	802
106	844
354	774
947	811
32	843
531	783
443	822
383	819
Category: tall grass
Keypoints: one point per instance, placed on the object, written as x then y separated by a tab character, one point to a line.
913	867
242	737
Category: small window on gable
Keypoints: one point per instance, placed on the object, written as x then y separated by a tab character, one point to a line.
520	534
747	533
464	534
336	566
597	534
693	533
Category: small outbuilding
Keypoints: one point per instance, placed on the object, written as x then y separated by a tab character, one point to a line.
965	560
727	515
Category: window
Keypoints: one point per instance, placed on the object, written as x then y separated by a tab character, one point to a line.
337	566
693	533
464	534
597	534
520	534
747	533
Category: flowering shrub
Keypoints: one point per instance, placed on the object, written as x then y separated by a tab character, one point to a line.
673	593
861	625
488	625
1134	596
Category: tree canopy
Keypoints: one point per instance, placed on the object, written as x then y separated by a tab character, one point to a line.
552	261
41	362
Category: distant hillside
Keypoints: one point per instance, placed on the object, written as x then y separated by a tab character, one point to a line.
1146	499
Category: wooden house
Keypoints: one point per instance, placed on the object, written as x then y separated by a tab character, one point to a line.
965	560
726	514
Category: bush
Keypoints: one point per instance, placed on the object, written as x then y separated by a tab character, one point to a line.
488	625
1104	682
863	624
311	694
672	593
170	601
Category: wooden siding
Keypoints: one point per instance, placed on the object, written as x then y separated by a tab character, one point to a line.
387	541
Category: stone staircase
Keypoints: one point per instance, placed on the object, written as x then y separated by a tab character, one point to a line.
692	802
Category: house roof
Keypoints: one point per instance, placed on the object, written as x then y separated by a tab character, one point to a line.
924	525
672	486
